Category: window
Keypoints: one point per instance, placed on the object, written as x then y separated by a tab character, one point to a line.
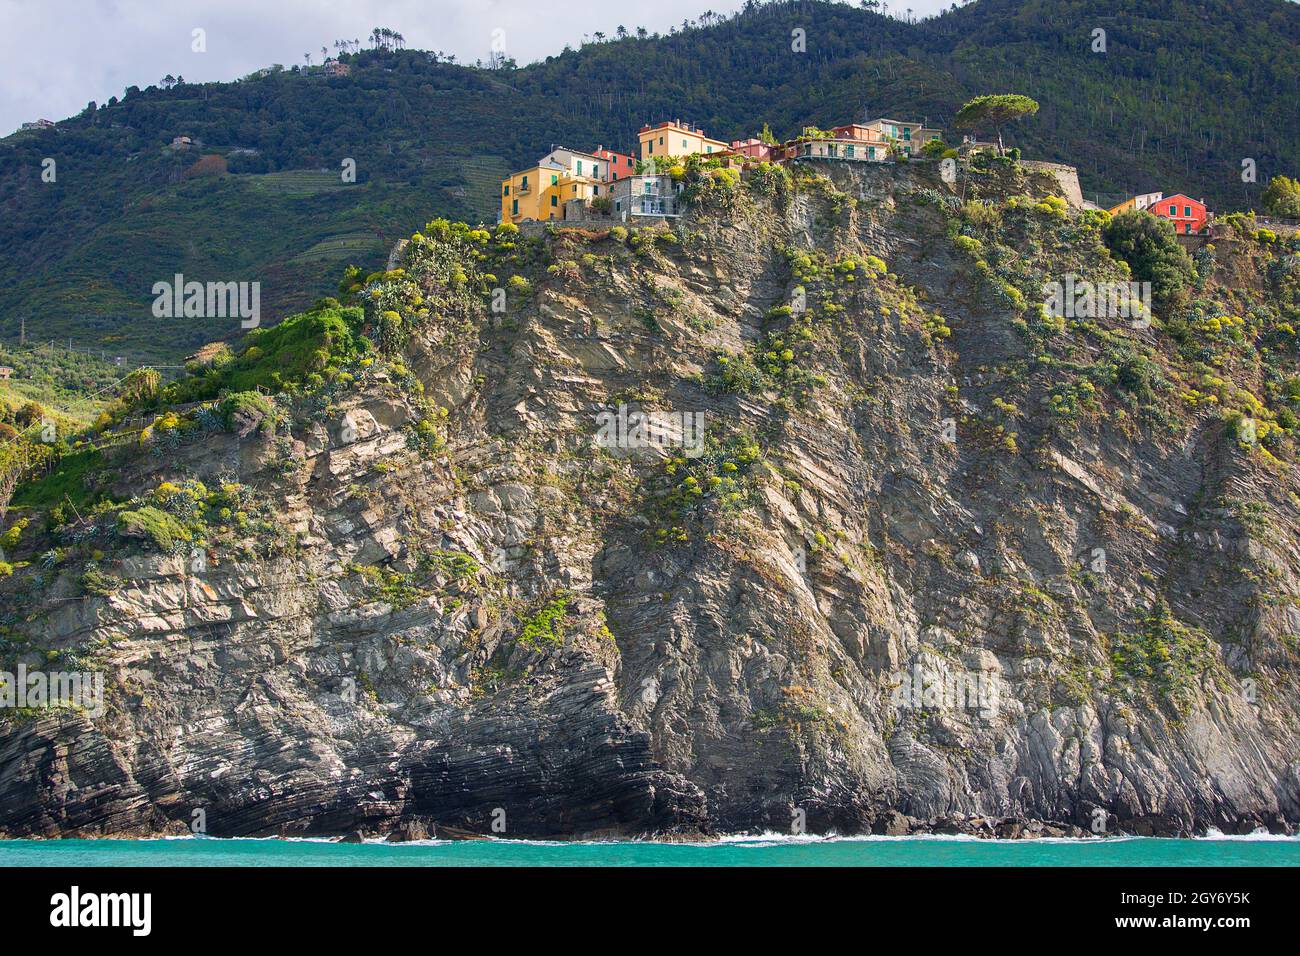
554	200
595	190
514	208
650	147
661	140
618	205
579	167
1187	211
907	133
684	146
871	152
1188	228
1173	210
848	152
507	192
555	180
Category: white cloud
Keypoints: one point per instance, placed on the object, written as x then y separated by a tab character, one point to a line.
59	54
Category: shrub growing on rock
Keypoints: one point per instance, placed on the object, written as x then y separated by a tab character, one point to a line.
153	524
246	412
1153	255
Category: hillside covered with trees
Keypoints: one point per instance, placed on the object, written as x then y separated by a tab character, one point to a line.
1182	94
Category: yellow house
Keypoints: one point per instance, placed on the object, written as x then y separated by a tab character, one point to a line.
676	138
1141	201
532	194
541	191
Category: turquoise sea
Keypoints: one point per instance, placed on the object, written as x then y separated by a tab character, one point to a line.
1258	850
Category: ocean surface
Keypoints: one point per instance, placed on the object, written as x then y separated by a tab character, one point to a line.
1256	850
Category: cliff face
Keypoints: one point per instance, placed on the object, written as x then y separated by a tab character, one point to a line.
938	557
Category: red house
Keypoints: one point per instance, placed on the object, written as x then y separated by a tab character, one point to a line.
1188	215
620	165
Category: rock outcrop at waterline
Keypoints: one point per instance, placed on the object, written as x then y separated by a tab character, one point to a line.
941	563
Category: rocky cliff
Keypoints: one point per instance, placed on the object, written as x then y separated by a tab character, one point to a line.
937	559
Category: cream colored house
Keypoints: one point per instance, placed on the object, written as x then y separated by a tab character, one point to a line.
819	147
879	141
852	142
578	163
910	137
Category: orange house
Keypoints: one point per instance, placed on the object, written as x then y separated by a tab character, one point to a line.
1187	215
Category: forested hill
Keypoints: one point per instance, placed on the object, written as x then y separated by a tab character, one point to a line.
1183	93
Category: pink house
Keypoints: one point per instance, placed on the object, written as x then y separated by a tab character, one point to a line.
752	149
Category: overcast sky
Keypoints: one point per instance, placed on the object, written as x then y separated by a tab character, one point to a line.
57	55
